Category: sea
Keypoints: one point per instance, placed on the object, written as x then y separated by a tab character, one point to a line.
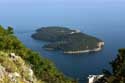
104	19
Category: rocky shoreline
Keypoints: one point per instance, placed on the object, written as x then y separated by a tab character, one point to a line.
99	48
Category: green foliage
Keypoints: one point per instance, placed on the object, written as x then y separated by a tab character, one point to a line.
2	31
43	68
118	65
10	30
118	69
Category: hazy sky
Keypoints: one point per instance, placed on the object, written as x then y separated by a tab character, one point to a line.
65	12
62	2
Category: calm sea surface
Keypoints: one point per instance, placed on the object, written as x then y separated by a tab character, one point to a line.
104	19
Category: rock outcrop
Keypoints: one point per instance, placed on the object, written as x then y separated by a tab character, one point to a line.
13	69
94	78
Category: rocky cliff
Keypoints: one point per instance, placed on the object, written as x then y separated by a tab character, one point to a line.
13	69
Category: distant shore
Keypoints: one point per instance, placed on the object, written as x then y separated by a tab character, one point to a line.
99	48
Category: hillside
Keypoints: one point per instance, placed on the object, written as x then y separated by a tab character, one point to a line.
44	70
13	69
68	40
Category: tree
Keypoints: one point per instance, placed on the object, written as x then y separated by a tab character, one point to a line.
118	68
118	65
10	30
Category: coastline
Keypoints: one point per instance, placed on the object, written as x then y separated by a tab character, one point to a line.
99	45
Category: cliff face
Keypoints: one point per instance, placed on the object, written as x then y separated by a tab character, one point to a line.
13	69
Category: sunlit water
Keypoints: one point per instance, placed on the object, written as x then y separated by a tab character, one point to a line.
104	19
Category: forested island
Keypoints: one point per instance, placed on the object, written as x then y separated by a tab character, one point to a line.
68	40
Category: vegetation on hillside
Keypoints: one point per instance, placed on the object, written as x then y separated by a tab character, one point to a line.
118	68
13	69
43	69
117	75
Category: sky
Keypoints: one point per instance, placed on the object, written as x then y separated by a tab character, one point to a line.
61	2
68	12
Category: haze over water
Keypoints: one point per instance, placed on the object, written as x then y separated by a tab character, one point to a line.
104	19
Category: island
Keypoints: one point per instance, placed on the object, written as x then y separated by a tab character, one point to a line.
68	40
